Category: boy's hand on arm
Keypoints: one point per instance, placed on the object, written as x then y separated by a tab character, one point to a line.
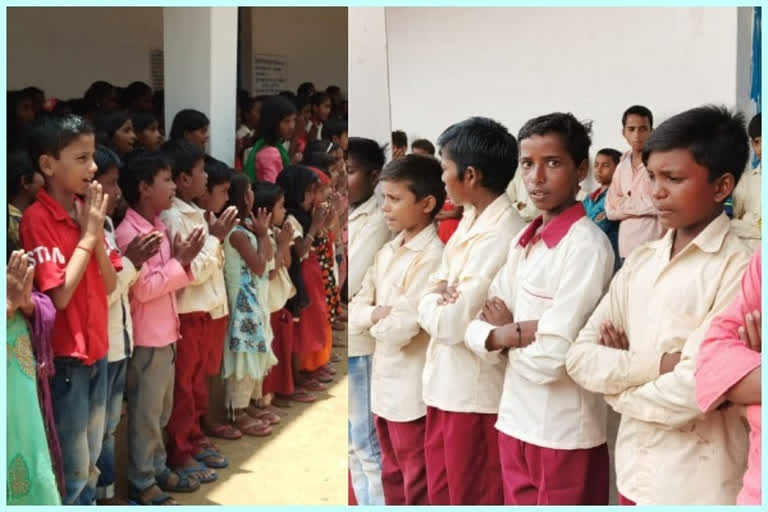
669	360
449	296
751	332
379	313
143	247
610	336
495	312
221	226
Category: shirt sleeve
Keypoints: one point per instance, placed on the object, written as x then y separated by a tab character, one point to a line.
268	164
607	370
401	325
579	289
447	323
670	400
363	303
210	259
724	359
39	240
125	279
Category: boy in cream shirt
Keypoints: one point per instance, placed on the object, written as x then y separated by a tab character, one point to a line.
479	158
639	347
386	307
552	433
746	196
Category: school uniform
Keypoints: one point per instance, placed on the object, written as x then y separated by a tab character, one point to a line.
80	342
368	232
724	359
747	207
667	451
461	390
629	201
202	308
398	278
156	330
552	433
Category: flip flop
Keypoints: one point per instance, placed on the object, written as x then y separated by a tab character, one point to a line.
202	468
303	396
185	483
210	452
256	428
159	499
282	402
314	385
224	431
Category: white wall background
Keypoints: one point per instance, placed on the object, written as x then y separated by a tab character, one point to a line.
314	40
446	64
64	49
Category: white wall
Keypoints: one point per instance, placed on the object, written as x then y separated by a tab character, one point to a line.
314	40
368	81
446	64
64	49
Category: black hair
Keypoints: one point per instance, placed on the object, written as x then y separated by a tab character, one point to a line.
247	106
142	120
574	133
484	144
237	190
319	98
286	94
21	170
367	152
614	154
637	110
425	145
754	129
300	102
242	96
95	94
334	128
183	156
305	89
142	168
266	195
50	134
188	120
399	139
16	132
218	172
33	91
133	92
107	123
274	110
105	159
332	89
316	154
714	136
422	175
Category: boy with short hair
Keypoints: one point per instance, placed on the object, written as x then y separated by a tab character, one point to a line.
74	267
629	196
386	308
203	316
399	144
746	198
639	347
423	147
216	193
461	390
367	233
552	434
148	188
606	161
335	130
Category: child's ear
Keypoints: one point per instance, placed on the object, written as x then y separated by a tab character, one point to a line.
45	162
472	176
429	204
582	170
724	186
143	189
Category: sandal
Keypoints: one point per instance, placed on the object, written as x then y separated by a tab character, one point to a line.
330	369
322	376
211	457
200	469
251	426
160	498
185	483
303	396
282	402
263	414
314	385
223	431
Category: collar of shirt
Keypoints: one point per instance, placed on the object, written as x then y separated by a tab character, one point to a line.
418	242
488	218
141	224
709	240
366	208
185	207
594	196
57	210
555	230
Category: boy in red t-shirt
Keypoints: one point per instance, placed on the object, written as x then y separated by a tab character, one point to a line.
65	237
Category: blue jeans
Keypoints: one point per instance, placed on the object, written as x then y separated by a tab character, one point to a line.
364	450
79	395
106	463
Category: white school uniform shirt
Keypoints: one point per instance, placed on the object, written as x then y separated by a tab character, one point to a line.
556	275
455	378
119	320
667	451
398	278
368	232
207	293
747	207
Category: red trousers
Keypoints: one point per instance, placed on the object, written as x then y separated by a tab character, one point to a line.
198	356
403	469
534	475
280	377
462	455
625	502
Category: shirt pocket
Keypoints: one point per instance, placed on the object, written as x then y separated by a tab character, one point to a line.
674	329
532	301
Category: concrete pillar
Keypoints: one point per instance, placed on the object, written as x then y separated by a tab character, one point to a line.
200	48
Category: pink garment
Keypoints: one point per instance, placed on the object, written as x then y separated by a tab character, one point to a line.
153	296
268	164
724	360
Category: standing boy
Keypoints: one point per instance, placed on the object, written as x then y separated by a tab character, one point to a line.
746	198
606	161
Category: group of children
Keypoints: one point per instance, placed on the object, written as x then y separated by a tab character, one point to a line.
485	366
138	273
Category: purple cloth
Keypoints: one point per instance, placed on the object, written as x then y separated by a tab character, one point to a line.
41	328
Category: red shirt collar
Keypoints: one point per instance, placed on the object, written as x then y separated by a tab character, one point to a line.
52	205
597	193
553	232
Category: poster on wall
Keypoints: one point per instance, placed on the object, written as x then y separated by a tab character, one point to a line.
269	74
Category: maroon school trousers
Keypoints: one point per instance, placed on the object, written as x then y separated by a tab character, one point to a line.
198	356
534	475
403	469
462	455
280	378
